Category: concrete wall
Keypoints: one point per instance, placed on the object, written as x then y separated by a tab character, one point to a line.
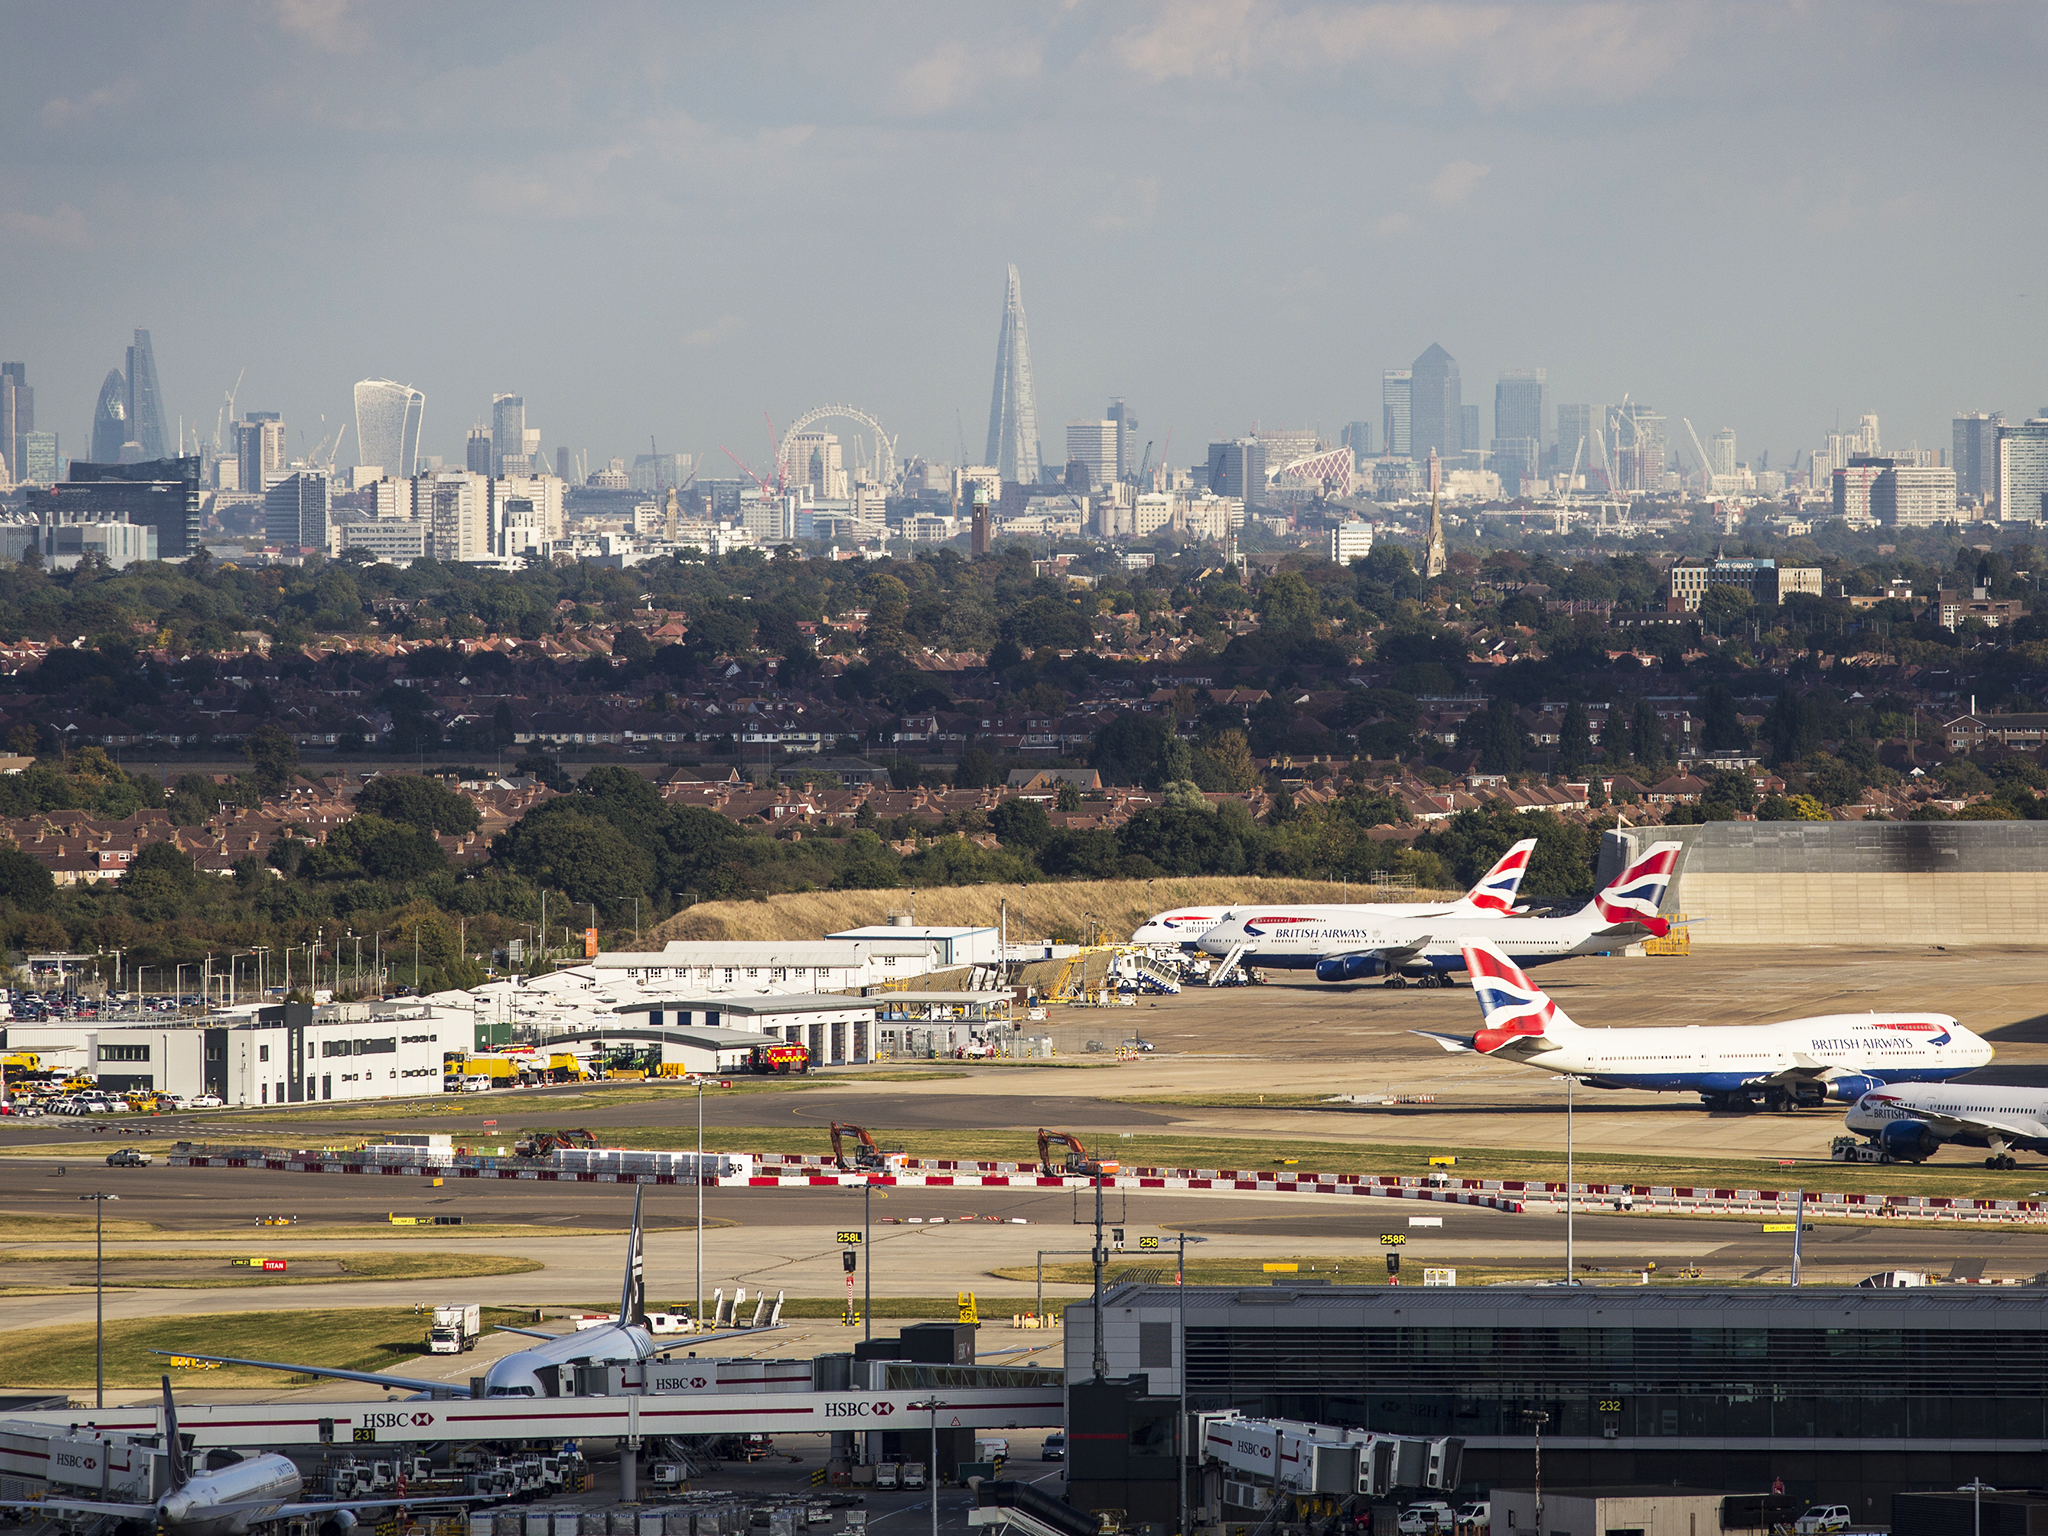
1654	1512
1854	883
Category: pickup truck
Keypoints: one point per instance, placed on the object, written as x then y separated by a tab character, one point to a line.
127	1157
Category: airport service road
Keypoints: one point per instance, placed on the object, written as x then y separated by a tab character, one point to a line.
783	1240
1296	1036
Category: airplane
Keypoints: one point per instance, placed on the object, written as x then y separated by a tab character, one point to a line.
230	1499
1908	1122
546	1370
1358	943
1494	892
1797	1063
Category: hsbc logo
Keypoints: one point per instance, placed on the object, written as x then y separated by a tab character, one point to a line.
397	1420
859	1410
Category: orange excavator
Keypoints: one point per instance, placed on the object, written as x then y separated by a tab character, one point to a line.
541	1143
866	1155
1077	1161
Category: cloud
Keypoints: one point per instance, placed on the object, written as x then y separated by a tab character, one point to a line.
326	24
1393	225
1128	204
1454	183
724	328
1501	55
952	72
64	227
63	111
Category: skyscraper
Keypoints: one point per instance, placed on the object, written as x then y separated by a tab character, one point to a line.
388	419
1397	400
17	417
1468	434
1576	425
1357	436
1722	451
110	419
161	493
508	431
1521	405
145	399
1238	468
1126	438
478	453
1013	409
1436	409
296	511
1976	455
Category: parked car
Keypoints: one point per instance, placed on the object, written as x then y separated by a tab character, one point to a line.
1427	1517
205	1101
127	1157
1822	1519
1054	1449
1478	1512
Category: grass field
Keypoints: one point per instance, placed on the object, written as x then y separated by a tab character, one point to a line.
351	1338
1115	905
199	1270
19	1227
1180	1151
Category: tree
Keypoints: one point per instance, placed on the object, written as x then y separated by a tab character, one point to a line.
1230	761
1646	734
633	644
577	853
976	770
418	802
161	869
275	757
1723	606
381	849
1574	739
1021	824
1287	602
24	882
1495	733
1722	729
1132	749
1069	797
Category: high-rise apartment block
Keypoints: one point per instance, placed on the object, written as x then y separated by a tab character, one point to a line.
1721	452
1094	445
1436	410
1397	399
39	458
1127	450
1238	469
477	456
1975	455
1013	408
145	400
1908	495
388	417
259	451
17	417
296	511
1357	436
1350	541
2023	471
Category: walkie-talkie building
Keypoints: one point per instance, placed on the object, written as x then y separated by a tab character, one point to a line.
388	418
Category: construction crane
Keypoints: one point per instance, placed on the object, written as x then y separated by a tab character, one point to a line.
1077	1161
743	464
1570	480
227	411
1706	464
866	1155
1144	463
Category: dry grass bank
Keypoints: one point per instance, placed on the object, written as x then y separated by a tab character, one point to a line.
1035	910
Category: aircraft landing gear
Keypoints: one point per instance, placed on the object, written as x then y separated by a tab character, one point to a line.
1396	981
2001	1160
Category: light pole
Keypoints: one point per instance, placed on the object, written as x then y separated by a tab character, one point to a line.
1537	1419
261	952
1978	1488
99	1295
1180	1430
931	1474
1571	1081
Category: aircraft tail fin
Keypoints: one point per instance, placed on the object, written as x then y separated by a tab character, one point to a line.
633	1296
174	1447
1497	888
1511	1006
1634	895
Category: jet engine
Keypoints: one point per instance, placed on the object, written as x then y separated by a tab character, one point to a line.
1909	1141
340	1523
1350	968
1847	1090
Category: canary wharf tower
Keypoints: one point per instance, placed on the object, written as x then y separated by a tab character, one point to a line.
1013	411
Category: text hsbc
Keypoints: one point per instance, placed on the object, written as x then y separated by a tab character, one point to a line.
859	1410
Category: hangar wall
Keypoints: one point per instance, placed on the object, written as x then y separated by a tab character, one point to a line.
1858	883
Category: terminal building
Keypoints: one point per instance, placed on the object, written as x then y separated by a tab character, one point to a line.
1849	1396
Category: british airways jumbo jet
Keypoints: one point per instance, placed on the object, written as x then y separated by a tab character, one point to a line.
1842	1056
1361	942
1494	893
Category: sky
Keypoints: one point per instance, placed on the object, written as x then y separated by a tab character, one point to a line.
684	221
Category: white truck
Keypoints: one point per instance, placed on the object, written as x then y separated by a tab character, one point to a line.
455	1329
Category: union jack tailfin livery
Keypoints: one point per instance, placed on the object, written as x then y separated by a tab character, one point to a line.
1637	892
1512	1007
1496	889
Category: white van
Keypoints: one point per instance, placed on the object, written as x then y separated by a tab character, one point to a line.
476	1084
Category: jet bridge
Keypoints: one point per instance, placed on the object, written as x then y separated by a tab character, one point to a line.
1297	1457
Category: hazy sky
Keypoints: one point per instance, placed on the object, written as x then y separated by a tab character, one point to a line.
670	219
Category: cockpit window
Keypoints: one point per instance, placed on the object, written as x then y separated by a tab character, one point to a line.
511	1392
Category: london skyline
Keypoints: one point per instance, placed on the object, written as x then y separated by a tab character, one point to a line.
1752	218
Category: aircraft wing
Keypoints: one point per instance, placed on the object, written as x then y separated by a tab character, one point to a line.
314	1511
374	1378
97	1507
1452	1043
531	1333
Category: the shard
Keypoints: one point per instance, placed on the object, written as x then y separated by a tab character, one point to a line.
145	399
110	419
1013	411
388	426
